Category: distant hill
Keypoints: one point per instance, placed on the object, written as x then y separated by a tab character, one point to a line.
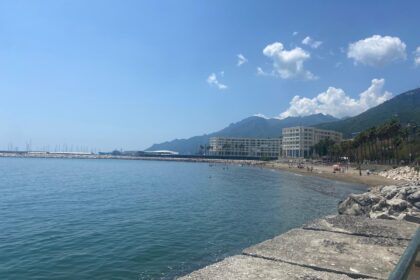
405	107
252	127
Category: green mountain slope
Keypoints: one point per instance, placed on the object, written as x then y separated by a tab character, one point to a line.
405	107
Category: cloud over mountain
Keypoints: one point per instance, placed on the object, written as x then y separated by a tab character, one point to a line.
335	102
287	64
261	116
377	50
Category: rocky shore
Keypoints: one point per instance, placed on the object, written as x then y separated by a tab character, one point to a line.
386	202
404	173
393	202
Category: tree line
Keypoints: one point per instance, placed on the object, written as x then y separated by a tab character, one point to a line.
389	143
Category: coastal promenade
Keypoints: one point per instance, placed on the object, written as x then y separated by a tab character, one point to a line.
334	247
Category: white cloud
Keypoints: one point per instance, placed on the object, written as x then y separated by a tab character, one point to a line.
417	56
335	102
213	81
241	59
288	64
377	50
261	116
295	33
311	42
261	72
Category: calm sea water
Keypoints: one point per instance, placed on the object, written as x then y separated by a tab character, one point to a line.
116	219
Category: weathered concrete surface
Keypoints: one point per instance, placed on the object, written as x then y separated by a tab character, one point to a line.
358	225
335	247
250	268
354	255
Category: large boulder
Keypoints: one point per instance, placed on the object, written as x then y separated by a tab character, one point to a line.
397	205
414	197
358	204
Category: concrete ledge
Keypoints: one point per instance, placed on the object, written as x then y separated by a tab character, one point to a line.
357	225
249	268
334	247
356	256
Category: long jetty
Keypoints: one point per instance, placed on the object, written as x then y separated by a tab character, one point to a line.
337	247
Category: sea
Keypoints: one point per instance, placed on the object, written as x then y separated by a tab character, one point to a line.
135	219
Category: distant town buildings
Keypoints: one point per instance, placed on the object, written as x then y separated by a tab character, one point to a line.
245	147
298	141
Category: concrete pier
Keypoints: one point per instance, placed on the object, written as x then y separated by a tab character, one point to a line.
334	247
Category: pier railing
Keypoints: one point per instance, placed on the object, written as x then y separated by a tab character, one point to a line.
408	268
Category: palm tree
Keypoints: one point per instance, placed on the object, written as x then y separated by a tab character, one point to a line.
383	136
371	136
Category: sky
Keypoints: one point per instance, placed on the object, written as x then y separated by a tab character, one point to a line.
104	75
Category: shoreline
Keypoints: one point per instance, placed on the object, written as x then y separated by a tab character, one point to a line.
351	176
322	171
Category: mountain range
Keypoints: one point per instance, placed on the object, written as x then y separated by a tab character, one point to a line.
405	107
251	127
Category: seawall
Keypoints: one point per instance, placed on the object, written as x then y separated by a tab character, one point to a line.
335	247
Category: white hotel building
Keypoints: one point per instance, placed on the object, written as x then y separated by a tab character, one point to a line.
297	141
245	147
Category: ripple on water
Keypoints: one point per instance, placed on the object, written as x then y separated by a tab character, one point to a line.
101	219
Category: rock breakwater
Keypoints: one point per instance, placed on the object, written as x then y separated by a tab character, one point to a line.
395	202
404	173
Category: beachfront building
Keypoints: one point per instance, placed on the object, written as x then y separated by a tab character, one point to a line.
298	141
245	147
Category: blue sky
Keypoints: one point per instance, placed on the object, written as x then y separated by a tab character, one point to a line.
127	74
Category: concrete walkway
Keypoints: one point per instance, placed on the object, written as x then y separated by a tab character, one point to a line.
335	247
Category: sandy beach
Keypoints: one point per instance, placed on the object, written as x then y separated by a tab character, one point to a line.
326	171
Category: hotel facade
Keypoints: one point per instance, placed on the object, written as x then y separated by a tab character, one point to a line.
298	141
245	147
